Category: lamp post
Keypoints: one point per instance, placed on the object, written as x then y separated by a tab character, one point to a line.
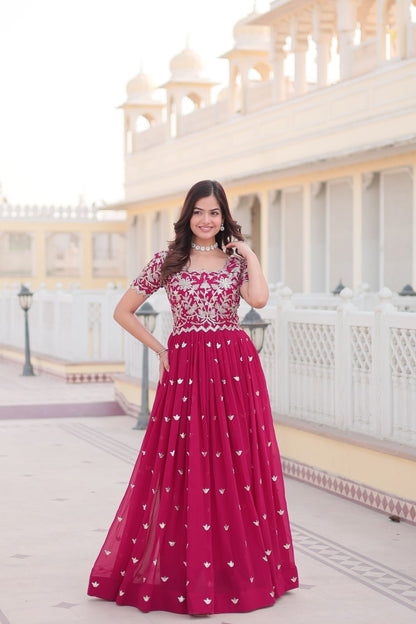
255	327
147	315
25	301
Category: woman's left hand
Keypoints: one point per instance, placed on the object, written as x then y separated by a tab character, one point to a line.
241	248
254	290
163	364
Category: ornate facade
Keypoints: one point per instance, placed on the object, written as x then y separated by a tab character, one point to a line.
314	139
77	246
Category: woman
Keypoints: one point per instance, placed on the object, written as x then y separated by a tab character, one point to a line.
203	526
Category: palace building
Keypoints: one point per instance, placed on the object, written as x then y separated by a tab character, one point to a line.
314	139
75	246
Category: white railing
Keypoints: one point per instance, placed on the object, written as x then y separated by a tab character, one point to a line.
151	136
259	96
363	299
349	369
203	118
365	57
10	212
76	325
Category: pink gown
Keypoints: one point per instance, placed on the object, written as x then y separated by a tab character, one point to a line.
203	526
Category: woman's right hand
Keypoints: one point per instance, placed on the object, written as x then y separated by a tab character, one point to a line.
163	364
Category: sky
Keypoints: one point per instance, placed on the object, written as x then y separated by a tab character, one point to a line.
64	66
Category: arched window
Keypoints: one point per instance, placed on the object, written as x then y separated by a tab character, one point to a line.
143	122
259	72
190	102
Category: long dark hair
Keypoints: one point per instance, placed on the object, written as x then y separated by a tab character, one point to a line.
180	248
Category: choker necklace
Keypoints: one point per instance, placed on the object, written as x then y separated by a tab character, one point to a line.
204	248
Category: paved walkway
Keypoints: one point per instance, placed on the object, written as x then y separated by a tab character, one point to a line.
62	477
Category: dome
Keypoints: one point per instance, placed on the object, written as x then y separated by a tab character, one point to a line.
250	36
141	85
186	65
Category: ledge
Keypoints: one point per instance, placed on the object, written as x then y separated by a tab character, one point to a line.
349	437
376	473
72	372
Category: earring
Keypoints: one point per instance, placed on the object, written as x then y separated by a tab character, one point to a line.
222	227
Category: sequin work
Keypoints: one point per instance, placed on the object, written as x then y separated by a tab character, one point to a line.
203	526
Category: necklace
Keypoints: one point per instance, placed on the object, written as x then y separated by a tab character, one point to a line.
204	248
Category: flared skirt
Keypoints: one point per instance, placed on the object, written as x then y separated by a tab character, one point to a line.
203	526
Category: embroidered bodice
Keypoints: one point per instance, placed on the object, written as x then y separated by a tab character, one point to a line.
200	301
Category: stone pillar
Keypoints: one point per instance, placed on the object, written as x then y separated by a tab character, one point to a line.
174	114
357	200
413	251
130	117
403	20
244	87
278	55
323	57
307	237
346	18
299	47
410	37
126	133
381	32
169	108
178	113
317	241
322	35
235	70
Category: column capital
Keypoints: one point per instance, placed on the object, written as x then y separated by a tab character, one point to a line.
278	41
299	41
299	30
300	44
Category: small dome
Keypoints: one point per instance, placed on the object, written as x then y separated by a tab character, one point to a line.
141	85
250	36
186	65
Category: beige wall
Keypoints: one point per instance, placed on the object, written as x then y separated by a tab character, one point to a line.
82	271
346	221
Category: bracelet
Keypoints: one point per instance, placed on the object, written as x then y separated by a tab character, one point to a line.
159	353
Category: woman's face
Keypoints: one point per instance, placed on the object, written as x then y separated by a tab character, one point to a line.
206	220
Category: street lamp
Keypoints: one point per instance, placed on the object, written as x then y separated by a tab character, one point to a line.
338	289
25	301
255	327
147	315
407	291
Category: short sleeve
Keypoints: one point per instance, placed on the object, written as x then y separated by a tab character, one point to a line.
148	281
243	277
